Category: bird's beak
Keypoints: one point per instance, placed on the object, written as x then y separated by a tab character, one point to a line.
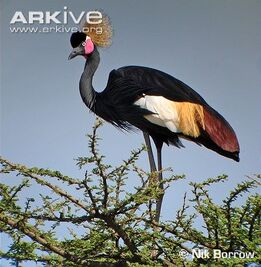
76	51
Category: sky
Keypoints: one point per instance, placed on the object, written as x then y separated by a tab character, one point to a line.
213	46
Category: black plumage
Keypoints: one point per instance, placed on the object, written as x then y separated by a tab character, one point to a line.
127	84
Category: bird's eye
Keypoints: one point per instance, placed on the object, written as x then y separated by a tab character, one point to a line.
83	43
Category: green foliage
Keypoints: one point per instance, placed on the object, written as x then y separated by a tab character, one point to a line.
108	225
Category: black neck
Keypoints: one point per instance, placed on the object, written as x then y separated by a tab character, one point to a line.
87	91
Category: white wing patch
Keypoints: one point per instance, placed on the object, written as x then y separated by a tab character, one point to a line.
165	111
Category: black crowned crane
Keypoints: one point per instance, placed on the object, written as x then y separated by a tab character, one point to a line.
158	104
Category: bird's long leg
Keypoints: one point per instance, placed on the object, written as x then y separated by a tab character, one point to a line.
151	161
160	199
153	168
150	153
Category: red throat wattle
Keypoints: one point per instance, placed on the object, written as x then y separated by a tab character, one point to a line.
89	46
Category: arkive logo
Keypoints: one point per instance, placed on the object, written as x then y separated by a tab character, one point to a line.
58	17
41	21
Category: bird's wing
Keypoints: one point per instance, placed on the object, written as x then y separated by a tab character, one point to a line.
176	106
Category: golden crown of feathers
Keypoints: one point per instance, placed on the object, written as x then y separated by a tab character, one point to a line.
100	33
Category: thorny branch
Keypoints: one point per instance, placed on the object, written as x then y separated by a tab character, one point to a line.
109	226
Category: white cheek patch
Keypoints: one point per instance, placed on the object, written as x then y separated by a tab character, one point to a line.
165	112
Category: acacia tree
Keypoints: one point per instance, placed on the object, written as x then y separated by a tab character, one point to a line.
103	224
